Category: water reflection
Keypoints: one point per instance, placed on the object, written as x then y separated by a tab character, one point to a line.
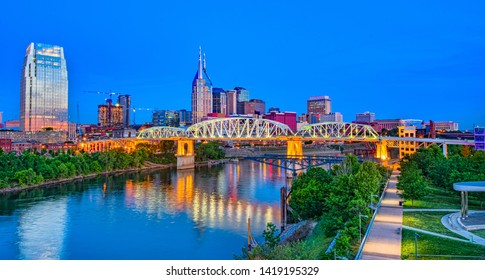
164	214
39	237
219	200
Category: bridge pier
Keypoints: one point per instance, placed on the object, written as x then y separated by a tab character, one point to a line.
185	154
294	147
381	151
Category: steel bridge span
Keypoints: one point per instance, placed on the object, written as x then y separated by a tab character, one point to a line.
251	129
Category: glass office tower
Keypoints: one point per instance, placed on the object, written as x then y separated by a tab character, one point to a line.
43	89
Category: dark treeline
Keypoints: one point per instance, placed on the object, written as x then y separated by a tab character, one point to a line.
429	168
34	167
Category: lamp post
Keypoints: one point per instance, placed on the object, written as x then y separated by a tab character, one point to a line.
360	226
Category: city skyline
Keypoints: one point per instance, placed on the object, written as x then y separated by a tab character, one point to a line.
420	61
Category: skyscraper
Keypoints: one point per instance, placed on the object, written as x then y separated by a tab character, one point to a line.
125	101
219	101
201	92
43	89
242	96
231	102
110	115
319	105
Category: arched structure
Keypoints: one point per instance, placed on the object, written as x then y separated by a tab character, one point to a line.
339	131
161	132
238	129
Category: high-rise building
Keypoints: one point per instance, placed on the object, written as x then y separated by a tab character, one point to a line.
366	117
125	102
1	119
185	117
110	115
231	100
43	89
201	92
219	101
166	118
242	96
319	105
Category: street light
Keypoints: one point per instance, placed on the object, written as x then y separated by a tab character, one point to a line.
360	226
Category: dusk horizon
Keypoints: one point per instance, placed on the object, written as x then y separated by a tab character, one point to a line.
419	61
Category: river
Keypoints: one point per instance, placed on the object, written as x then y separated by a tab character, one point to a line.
166	214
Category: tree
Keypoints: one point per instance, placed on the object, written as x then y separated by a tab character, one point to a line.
349	165
209	151
466	151
308	193
271	236
412	183
28	177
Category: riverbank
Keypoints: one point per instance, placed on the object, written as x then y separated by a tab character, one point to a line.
146	166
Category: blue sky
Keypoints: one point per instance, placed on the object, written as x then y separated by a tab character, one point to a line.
399	59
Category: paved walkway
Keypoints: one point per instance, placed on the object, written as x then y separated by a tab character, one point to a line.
384	240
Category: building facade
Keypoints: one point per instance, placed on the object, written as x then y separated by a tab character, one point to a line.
5	144
446	126
254	107
479	138
44	89
201	92
219	101
288	118
185	117
332	117
125	102
166	118
110	115
12	124
366	117
406	147
319	105
242	96
231	102
379	125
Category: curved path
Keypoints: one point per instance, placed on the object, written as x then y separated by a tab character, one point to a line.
450	221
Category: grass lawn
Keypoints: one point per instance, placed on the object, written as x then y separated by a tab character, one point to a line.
430	221
480	232
440	199
439	248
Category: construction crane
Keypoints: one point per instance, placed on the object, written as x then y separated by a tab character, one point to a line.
140	109
110	93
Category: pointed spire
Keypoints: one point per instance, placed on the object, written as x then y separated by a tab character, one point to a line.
200	63
205	65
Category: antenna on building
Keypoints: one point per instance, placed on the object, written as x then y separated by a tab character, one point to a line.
205	64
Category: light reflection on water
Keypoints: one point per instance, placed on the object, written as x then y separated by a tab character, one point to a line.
166	214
